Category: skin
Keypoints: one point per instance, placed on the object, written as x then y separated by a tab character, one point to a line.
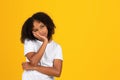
40	31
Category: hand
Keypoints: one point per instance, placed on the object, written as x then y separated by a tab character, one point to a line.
27	66
40	37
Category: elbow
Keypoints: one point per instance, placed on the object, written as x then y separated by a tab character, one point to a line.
33	63
58	73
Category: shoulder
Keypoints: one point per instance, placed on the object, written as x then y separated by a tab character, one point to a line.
56	45
28	41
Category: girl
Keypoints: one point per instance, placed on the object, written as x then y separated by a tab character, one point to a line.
43	55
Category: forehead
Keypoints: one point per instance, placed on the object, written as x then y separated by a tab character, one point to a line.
37	23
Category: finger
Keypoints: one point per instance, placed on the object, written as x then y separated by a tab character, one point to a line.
28	62
23	63
35	35
23	67
40	36
33	32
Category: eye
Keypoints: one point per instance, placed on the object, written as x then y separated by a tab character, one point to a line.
42	26
35	30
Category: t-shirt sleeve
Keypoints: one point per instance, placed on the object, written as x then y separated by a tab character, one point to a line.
58	53
28	46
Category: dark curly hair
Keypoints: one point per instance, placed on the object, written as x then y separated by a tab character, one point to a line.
26	32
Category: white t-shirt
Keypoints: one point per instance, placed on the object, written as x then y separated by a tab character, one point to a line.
52	51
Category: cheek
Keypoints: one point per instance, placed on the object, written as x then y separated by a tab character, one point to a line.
35	32
47	32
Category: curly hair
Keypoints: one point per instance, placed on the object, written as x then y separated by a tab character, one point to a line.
26	32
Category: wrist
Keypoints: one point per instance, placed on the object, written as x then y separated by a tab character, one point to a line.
34	67
45	41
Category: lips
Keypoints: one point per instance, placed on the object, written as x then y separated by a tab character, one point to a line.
43	34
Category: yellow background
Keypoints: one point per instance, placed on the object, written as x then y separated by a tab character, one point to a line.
87	30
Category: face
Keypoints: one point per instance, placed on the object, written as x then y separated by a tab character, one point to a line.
40	28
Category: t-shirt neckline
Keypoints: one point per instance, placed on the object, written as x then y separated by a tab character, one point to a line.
42	42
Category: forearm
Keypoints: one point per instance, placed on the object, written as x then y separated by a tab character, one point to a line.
36	57
51	71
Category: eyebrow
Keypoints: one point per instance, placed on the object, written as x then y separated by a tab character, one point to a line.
42	24
34	29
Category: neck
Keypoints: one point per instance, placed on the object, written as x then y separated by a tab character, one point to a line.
50	40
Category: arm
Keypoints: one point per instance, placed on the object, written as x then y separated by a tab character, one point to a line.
51	71
35	58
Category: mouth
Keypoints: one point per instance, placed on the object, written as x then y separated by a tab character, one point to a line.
43	34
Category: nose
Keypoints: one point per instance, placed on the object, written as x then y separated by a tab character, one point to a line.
40	31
